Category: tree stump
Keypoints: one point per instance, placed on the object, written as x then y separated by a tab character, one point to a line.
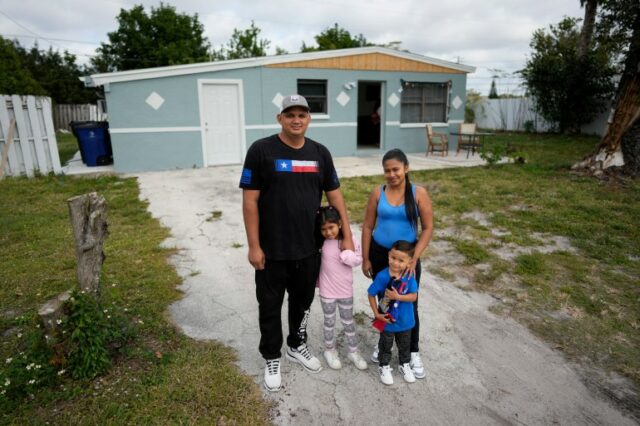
88	219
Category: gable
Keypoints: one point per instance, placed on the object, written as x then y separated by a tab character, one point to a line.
368	62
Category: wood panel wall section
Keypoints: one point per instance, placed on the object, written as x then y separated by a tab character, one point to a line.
369	62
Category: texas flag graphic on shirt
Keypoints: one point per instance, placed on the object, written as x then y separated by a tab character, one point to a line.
296	166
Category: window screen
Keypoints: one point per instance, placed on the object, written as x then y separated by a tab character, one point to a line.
424	102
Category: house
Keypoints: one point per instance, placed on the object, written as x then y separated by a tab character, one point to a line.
207	114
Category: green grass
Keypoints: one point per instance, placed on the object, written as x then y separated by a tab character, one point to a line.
67	146
161	377
586	302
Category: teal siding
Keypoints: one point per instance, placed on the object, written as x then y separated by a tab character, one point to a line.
156	151
161	151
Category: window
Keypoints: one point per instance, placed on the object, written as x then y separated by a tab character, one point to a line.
424	102
315	91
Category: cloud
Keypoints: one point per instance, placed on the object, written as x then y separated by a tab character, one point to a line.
489	34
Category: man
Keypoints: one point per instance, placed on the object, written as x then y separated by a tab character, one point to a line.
283	179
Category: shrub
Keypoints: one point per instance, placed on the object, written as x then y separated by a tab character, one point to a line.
93	331
85	344
529	126
493	153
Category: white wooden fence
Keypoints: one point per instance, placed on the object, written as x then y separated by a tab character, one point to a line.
33	147
513	113
63	114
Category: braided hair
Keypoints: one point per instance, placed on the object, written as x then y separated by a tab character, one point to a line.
410	205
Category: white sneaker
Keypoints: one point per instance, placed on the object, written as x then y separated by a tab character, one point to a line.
272	378
302	356
407	373
385	375
331	356
417	366
357	360
374	355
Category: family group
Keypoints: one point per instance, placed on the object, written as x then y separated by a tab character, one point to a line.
296	245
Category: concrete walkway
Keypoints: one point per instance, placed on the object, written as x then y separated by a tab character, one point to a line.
481	369
346	166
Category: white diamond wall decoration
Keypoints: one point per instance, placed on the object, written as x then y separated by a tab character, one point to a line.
154	100
277	100
456	102
393	100
343	98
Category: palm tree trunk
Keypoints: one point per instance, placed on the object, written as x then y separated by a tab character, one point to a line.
586	34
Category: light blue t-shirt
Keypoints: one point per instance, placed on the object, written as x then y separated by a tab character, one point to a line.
392	223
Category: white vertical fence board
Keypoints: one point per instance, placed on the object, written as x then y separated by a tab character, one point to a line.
51	135
24	135
13	166
37	135
34	146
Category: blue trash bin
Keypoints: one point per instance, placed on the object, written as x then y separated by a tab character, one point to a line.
94	142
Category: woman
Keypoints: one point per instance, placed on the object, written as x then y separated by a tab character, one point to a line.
393	212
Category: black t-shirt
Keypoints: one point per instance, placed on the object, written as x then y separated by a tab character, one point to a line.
291	182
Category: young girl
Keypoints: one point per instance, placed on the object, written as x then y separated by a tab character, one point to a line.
336	287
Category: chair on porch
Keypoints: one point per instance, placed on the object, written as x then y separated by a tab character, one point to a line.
436	142
467	138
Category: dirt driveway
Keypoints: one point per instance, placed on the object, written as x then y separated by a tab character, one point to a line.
481	369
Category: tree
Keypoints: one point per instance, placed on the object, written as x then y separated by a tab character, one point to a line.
336	38
163	37
586	34
16	79
569	89
58	74
493	92
244	44
619	28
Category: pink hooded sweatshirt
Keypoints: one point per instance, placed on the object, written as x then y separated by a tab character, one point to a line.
336	270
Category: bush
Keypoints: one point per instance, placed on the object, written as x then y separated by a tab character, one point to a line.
84	346
493	154
529	126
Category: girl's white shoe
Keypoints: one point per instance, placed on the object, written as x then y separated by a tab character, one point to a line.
331	356
357	360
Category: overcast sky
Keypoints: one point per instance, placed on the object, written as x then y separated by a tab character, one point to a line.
490	35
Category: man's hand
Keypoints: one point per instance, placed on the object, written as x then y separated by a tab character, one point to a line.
256	258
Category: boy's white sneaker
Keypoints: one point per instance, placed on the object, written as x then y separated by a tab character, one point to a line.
357	360
272	378
385	375
417	366
407	373
374	355
302	356
331	356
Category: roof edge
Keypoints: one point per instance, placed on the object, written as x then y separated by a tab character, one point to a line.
202	67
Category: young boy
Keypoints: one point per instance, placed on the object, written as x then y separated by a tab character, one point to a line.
400	292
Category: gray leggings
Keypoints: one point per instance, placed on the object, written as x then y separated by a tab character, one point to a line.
345	306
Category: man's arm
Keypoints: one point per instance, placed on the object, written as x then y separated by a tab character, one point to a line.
337	201
252	227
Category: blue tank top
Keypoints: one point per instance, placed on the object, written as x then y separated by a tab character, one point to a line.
392	223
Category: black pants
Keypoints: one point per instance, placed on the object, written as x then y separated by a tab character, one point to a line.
379	258
296	277
385	344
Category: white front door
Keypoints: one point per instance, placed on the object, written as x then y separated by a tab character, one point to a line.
222	122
